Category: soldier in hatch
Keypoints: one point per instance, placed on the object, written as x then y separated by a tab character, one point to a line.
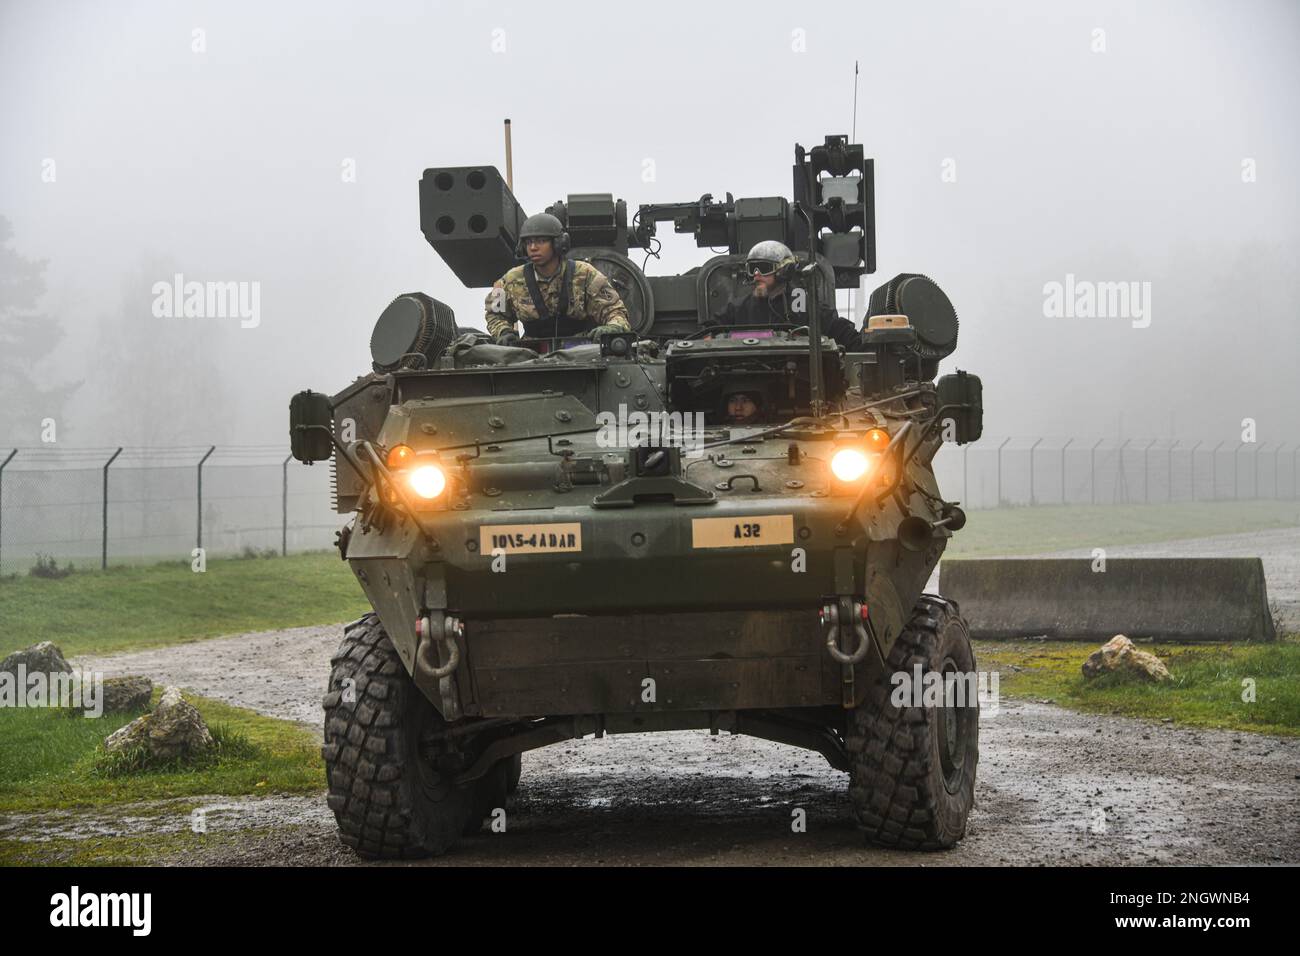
552	296
771	265
743	408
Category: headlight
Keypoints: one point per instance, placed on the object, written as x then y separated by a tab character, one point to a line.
427	481
850	464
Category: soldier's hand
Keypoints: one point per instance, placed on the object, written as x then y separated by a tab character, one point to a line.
507	338
600	330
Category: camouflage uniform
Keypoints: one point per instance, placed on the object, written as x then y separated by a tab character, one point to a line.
592	300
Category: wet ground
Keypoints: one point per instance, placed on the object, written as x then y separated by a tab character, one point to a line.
1053	786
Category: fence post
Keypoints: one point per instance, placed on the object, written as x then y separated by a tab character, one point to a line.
1214	471
965	490
1169	469
284	506
1146	472
1067	444
1277	472
1236	478
199	543
1192	466
999	501
1092	469
1031	469
1121	478
2	501
103	555
1258	449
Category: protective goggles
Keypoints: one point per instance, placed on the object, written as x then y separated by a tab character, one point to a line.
763	267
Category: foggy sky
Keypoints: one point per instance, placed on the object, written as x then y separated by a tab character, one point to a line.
225	165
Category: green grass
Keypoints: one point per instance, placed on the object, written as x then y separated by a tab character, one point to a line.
1206	690
228	747
140	849
1012	531
135	607
52	761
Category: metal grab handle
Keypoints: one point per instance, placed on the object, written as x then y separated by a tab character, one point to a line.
832	633
425	657
727	485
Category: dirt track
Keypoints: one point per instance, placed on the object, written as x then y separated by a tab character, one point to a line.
1053	786
1049	781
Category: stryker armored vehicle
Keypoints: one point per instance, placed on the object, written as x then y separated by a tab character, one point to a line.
570	538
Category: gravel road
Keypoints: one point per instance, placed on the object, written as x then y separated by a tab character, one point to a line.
1053	787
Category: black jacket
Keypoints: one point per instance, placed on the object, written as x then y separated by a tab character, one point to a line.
751	310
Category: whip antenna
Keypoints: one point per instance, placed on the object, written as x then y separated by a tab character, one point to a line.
853	139
510	164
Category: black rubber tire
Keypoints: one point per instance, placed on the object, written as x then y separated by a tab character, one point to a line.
389	800
909	790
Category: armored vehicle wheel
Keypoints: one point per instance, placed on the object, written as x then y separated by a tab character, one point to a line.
390	799
912	782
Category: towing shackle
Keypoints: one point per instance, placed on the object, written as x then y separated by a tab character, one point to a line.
428	635
830	616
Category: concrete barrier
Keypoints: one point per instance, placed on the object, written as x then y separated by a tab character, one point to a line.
1169	599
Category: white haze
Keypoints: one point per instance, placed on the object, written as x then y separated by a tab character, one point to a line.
226	166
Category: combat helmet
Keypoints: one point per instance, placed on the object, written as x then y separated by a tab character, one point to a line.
770	256
544	226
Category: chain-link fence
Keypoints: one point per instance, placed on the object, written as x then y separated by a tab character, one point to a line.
96	507
1007	472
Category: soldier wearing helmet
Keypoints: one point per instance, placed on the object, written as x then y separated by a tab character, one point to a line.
552	296
743	407
771	265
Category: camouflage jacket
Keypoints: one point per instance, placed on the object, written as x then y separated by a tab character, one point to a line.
593	301
776	309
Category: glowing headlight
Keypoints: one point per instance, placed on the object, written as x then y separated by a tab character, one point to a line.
427	481
850	464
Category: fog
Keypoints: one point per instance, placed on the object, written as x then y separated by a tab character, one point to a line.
1015	144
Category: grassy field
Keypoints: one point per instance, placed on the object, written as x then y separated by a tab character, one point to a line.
1206	690
134	607
138	850
51	760
1013	531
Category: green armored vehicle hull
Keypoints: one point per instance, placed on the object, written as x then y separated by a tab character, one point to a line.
564	539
